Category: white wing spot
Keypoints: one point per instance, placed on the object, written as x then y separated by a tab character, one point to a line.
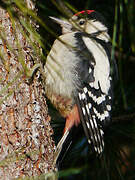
83	109
102	117
85	90
101	148
92	96
100	99
110	78
109	107
109	97
102	132
95	99
95	149
95	122
83	96
95	136
90	70
91	84
88	125
99	151
106	113
92	125
103	143
89	93
87	107
80	97
97	113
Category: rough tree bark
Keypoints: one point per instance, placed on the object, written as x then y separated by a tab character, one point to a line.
26	145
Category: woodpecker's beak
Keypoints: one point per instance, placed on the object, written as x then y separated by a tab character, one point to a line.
62	23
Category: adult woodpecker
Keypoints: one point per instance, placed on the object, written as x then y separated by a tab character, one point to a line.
78	78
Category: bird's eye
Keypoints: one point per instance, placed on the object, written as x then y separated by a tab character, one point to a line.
81	22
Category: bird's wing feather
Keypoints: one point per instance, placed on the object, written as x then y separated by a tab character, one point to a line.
92	117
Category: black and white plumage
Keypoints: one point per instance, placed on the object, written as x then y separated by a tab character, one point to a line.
95	97
78	75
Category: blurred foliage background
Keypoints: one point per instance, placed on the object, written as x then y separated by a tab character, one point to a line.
118	160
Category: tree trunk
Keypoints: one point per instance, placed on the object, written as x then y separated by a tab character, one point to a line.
26	145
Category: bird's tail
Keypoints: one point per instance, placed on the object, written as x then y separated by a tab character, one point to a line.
60	146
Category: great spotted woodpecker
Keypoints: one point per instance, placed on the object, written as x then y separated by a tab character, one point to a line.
78	78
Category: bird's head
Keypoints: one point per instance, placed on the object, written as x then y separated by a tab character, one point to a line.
88	21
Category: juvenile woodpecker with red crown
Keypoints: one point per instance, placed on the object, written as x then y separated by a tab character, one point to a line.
78	78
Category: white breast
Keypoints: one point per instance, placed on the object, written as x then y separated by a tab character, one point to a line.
60	66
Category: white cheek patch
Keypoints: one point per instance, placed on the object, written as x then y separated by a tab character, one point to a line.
96	26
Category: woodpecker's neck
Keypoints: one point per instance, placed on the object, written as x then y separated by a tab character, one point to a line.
103	36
